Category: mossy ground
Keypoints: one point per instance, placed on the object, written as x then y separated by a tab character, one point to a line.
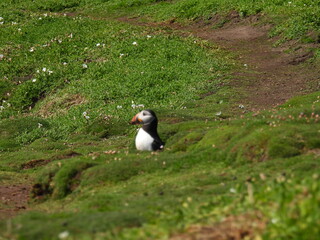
88	180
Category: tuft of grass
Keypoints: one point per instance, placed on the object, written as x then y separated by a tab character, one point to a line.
15	132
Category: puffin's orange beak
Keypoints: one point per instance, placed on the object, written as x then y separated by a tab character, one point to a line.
135	120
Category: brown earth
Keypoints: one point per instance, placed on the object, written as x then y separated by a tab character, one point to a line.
13	199
232	228
41	162
269	75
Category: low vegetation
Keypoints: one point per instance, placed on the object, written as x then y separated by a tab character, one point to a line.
71	78
291	19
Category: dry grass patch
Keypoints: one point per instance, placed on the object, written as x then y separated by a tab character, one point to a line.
60	105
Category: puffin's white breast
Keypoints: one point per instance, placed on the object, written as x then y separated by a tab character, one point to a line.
144	141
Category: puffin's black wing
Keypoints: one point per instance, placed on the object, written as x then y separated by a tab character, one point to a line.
157	144
152	130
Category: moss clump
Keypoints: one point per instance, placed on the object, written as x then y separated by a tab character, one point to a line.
68	177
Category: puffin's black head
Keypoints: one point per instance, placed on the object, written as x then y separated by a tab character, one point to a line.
144	117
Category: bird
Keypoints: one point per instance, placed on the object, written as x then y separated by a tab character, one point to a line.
147	138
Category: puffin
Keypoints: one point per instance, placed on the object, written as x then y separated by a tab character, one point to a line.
147	138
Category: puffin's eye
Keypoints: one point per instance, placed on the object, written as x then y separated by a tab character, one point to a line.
143	113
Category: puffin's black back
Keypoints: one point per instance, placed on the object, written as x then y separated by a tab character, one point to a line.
152	130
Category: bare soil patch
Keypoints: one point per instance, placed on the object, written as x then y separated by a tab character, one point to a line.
41	162
13	200
232	228
269	75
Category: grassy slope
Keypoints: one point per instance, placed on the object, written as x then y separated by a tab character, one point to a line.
291	19
210	163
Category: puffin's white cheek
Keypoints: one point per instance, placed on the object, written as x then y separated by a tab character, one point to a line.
147	119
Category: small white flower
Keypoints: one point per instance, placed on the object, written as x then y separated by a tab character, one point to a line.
71	35
119	107
84	65
19	29
46	14
98	44
34	80
1	18
63	235
50	72
218	113
87	117
137	106
135	43
31	49
241	106
84	113
3	23
121	54
1	108
245	65
64	63
44	69
232	190
38	71
1	56
59	41
40	18
13	23
148	36
274	220
39	125
289	2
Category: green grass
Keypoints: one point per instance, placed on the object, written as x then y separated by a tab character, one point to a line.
291	19
183	185
79	65
88	180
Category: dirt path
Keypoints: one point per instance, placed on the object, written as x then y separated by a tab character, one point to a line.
13	199
270	75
